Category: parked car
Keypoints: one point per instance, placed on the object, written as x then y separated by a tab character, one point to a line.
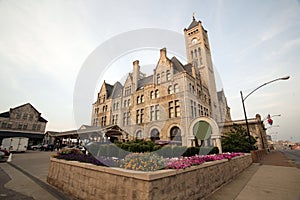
35	147
47	147
4	154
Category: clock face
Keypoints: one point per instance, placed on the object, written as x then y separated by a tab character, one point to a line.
194	41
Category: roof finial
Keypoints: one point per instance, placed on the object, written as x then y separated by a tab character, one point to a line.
193	15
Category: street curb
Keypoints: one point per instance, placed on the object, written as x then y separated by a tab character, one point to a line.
54	192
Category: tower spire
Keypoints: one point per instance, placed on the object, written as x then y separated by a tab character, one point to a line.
193	16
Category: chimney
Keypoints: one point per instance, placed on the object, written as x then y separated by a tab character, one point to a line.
163	53
135	74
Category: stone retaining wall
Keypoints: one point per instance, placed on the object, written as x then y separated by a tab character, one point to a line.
258	155
87	181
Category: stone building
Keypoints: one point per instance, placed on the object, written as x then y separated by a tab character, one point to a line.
256	127
23	121
164	105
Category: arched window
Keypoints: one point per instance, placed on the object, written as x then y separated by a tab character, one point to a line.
156	93
175	134
154	134
192	54
138	100
139	134
176	88
142	98
152	95
195	53
170	89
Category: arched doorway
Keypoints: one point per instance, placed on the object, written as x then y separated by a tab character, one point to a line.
203	128
175	135
154	135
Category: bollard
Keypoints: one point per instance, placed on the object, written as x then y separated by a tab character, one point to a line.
9	158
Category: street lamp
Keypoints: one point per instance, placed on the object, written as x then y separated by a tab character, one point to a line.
243	102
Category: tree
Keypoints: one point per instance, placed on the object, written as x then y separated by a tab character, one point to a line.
237	140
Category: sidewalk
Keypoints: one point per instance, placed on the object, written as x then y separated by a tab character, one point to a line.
275	178
19	186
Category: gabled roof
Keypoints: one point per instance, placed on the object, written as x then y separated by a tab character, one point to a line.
41	119
177	66
188	68
25	105
145	81
5	114
116	90
109	89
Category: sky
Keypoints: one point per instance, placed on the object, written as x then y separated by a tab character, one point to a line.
45	46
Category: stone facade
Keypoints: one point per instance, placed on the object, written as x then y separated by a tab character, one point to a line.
256	127
163	105
23	121
87	181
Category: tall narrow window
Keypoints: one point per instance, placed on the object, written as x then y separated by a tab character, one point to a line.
177	108
170	89
200	56
158	78
152	95
156	93
152	113
168	75
128	102
142	116
192	109
142	98
171	109
176	88
137	116
157	112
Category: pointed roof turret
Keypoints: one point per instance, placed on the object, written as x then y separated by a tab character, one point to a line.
194	23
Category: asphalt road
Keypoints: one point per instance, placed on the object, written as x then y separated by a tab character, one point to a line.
35	163
294	155
25	177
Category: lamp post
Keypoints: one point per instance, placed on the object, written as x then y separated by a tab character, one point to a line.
243	102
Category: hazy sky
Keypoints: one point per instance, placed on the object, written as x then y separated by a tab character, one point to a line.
44	44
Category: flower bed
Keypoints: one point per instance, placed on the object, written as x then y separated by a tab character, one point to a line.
88	181
185	162
143	161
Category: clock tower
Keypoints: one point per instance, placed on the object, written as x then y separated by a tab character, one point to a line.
198	53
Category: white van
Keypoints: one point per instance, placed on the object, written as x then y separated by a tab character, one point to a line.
15	144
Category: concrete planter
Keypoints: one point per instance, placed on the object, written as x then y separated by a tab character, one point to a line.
87	181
